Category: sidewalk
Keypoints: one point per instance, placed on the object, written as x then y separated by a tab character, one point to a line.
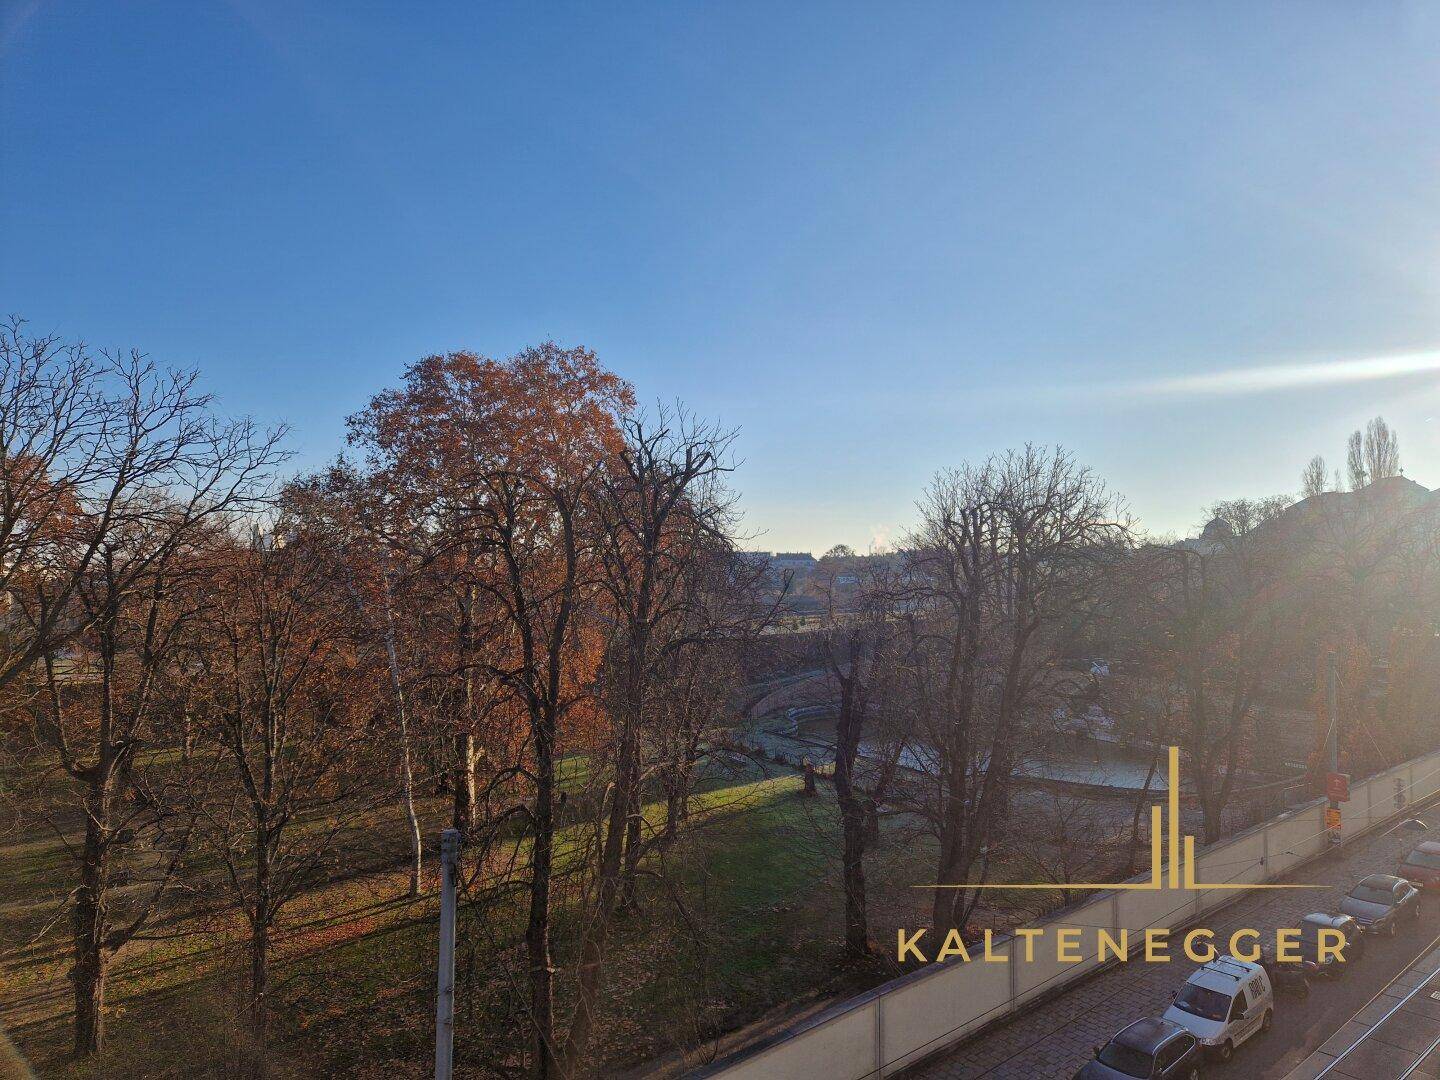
1053	1041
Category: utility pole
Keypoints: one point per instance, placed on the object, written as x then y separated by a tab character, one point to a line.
1332	745
445	997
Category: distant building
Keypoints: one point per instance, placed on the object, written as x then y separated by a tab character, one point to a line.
779	565
1212	539
797	565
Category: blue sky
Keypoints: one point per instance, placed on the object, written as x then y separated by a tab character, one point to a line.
877	239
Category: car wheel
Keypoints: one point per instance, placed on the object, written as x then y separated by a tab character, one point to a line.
1267	1021
1227	1051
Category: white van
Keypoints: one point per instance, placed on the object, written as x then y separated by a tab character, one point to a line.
1224	1003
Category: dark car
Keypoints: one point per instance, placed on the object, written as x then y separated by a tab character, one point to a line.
1354	948
1147	1048
1380	902
1422	866
1290	976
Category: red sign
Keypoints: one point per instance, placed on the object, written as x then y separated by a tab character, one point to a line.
1337	787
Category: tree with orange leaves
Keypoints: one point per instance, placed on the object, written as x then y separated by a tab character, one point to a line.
281	679
486	466
432	449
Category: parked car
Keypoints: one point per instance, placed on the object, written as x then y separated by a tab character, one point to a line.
1330	964
1147	1048
1223	1004
1289	975
1422	866
1380	902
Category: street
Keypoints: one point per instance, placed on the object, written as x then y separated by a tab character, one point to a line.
1301	1027
1053	1041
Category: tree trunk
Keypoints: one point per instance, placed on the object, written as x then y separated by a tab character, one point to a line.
465	782
465	741
407	773
673	801
537	931
260	950
88	918
259	989
592	949
627	775
632	853
407	779
852	820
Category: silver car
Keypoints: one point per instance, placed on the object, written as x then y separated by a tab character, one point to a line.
1379	902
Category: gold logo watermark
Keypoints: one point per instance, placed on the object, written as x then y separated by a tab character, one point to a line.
1172	866
1172	857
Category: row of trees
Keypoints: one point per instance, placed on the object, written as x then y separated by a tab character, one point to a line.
1371	455
958	656
215	678
520	594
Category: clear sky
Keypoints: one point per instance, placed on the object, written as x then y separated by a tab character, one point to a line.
878	240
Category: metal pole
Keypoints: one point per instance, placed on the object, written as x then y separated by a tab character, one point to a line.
445	997
1332	740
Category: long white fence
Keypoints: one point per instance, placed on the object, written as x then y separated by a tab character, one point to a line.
881	1032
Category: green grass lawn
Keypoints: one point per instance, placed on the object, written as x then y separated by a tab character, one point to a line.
739	916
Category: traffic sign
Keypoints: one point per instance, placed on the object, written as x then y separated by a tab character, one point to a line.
1332	817
1337	787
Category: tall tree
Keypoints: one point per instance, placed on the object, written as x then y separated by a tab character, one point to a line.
103	705
381	572
111	470
285	707
1213	609
861	641
1355	461
660	516
1006	558
1314	479
1382	450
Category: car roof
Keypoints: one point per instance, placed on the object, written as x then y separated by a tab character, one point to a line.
1319	918
1148	1035
1430	846
1224	975
1379	881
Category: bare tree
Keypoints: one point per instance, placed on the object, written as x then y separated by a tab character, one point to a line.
1314	479
1382	450
1212	610
101	706
89	448
285	709
1355	461
860	637
1006	557
659	513
1062	839
110	468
